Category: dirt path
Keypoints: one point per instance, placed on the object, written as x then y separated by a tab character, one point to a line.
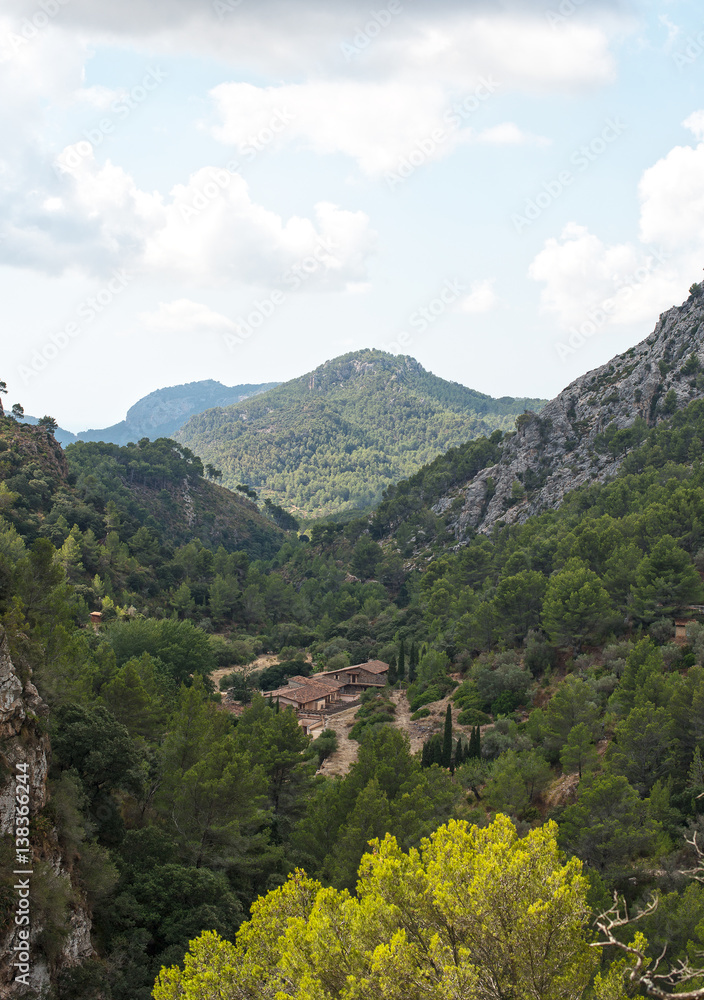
419	731
346	754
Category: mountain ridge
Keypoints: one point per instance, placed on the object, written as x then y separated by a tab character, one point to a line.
315	443
162	412
584	434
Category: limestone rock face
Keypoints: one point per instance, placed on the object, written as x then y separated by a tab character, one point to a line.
24	740
562	448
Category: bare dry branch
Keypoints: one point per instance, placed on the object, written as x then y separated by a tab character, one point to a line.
639	973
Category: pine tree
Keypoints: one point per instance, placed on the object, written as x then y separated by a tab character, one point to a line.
401	666
447	739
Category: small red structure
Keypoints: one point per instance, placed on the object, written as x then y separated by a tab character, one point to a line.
96	619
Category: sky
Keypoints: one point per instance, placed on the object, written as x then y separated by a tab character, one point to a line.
240	190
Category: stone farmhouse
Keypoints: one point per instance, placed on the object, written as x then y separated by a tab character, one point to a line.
314	697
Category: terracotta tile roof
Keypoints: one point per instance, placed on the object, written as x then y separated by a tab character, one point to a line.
370	667
315	679
304	694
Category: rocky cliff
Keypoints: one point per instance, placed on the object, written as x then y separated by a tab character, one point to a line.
24	742
583	435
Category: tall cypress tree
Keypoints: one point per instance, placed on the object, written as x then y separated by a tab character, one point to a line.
447	739
401	665
413	663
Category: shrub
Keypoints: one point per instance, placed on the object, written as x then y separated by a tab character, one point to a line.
431	694
506	703
324	745
473	717
422	713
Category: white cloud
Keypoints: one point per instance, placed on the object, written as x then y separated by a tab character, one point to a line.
207	232
695	123
508	133
578	271
672	194
186	316
376	124
481	298
450	41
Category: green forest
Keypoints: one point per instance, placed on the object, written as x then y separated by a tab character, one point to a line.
212	857
331	441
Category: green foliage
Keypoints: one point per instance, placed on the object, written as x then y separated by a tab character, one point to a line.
377	708
422	713
516	781
609	826
276	676
180	648
336	438
579	753
516	928
642	746
324	745
577	608
665	581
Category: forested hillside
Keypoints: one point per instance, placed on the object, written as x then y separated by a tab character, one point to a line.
569	766
332	440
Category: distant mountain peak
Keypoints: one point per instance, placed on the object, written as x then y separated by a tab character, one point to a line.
334	438
162	412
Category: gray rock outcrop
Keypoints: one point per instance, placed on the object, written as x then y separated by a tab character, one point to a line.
573	440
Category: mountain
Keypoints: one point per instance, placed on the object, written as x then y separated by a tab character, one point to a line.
581	437
162	412
153	484
333	439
